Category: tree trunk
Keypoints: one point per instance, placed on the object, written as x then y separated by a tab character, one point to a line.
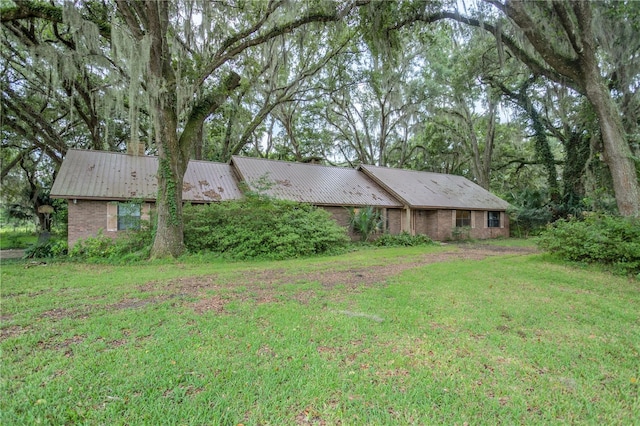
198	143
172	165
617	153
172	160
577	153
169	236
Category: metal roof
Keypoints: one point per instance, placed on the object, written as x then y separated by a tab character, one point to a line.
434	190
113	176
312	183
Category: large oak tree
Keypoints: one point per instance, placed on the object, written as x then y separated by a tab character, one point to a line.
558	39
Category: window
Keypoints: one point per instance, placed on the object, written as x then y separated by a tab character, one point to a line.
493	219
463	218
128	216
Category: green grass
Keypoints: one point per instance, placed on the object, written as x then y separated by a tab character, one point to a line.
18	238
511	339
511	242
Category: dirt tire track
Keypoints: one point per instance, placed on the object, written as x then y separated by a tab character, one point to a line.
261	286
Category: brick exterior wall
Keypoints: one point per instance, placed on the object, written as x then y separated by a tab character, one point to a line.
86	218
426	223
341	216
482	231
445	225
440	224
394	221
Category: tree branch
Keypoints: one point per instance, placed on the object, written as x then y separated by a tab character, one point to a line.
130	17
535	66
567	25
29	9
565	66
207	106
224	55
25	9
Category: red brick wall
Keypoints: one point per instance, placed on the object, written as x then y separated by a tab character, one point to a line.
341	216
446	223
426	223
439	224
86	219
394	221
482	231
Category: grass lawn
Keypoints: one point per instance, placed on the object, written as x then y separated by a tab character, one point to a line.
438	335
17	239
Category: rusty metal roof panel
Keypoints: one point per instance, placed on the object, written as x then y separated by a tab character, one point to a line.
206	181
434	190
312	183
112	176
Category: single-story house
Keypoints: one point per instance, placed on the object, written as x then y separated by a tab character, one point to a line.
443	206
110	191
331	188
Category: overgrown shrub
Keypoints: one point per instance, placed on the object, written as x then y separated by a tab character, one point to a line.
403	239
132	246
461	233
365	221
530	212
258	227
47	249
604	239
99	246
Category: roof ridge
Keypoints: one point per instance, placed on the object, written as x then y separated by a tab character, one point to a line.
242	157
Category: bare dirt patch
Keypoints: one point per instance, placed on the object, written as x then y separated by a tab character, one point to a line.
261	286
65	345
215	303
12	331
60	313
135	303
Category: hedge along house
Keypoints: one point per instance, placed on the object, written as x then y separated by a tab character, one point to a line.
112	192
332	188
443	206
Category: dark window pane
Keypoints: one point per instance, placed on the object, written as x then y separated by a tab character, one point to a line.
493	220
463	218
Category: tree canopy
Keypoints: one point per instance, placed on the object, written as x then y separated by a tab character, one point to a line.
522	97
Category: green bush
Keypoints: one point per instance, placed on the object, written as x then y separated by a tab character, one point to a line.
132	246
461	233
530	212
92	247
258	227
365	221
403	239
47	249
604	239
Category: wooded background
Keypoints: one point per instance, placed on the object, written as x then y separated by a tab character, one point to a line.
535	101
